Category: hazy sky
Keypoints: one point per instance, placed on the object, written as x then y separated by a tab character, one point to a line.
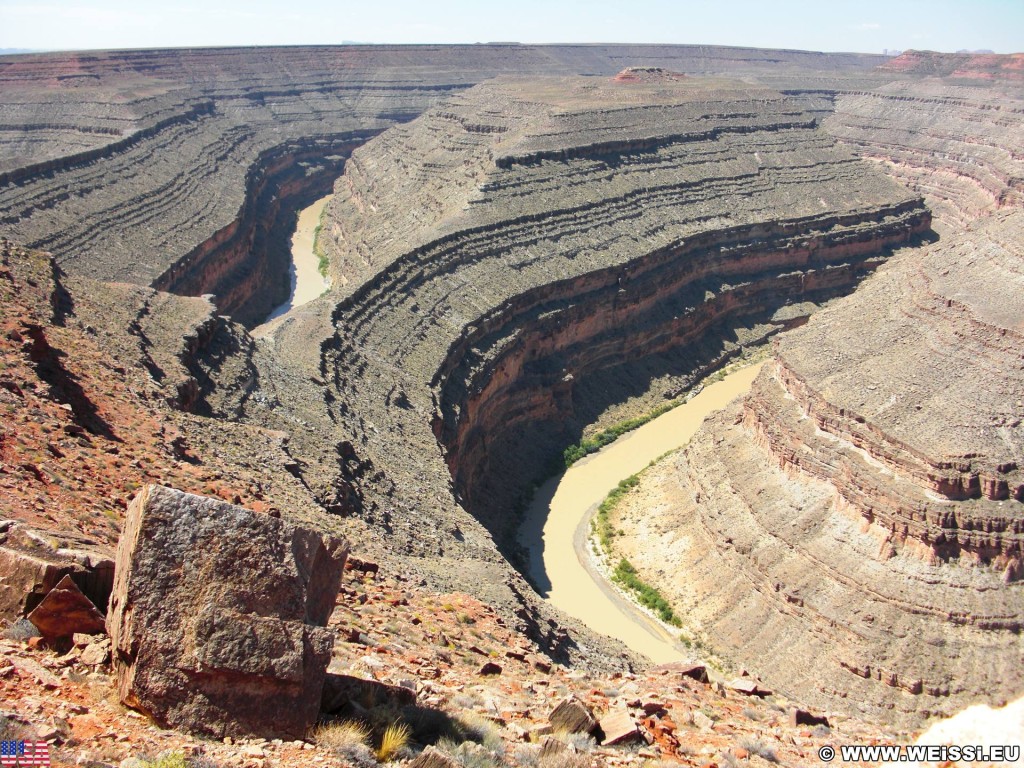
828	25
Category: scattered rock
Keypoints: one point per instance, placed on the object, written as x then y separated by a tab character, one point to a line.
618	727
573	716
66	611
540	663
552	746
490	668
365	567
799	717
217	616
697	672
33	563
747	686
540	730
432	757
702	721
96	653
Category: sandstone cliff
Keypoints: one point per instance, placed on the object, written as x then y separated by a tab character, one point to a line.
854	528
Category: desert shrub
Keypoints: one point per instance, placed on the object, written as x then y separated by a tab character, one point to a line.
470	755
167	760
479	729
590	445
759	748
626	575
341	733
583	742
393	741
202	761
526	756
602	522
565	759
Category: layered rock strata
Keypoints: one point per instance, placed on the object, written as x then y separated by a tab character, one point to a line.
956	140
506	271
169	168
853	530
550	232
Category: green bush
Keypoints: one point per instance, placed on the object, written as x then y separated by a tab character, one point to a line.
602	524
590	445
626	575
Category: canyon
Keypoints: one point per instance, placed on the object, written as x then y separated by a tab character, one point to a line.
528	244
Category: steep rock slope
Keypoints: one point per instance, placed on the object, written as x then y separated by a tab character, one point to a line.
546	237
955	139
854	529
177	169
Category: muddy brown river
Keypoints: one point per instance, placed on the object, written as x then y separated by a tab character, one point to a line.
555	530
307	282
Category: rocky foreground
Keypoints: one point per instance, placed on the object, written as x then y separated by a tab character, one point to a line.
453	669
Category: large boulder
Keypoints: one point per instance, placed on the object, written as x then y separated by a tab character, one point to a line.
32	562
217	616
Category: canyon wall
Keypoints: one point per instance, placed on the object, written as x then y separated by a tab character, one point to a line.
853	530
526	256
162	167
955	139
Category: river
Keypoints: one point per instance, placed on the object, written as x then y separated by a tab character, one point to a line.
307	282
555	530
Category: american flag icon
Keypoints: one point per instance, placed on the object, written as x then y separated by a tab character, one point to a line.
24	753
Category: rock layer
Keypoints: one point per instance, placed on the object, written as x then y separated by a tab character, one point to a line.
855	528
522	260
553	233
163	167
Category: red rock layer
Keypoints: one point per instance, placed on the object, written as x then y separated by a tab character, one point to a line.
854	530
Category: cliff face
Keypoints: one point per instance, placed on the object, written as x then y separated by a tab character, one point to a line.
245	265
545	234
164	168
535	252
858	519
951	140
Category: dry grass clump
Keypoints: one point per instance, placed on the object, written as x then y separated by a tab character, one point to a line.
349	739
394	739
342	734
475	727
565	759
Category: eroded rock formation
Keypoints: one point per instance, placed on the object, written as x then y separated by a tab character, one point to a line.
854	528
529	256
549	235
165	168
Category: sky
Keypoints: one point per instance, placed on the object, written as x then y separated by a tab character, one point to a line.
869	26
